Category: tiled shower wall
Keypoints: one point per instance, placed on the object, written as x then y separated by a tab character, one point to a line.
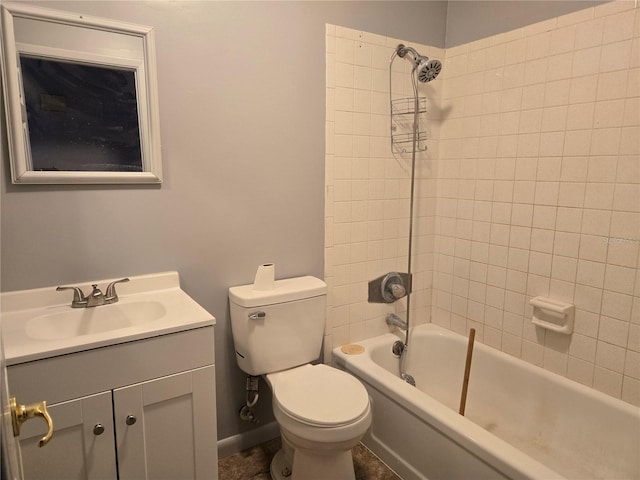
536	137
368	185
539	193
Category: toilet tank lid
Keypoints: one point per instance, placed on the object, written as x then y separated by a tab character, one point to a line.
286	290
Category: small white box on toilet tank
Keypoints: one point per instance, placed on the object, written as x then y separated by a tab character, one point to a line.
277	329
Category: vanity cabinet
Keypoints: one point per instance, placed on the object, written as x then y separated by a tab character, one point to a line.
163	429
77	452
139	410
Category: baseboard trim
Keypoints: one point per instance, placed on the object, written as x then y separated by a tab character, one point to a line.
241	441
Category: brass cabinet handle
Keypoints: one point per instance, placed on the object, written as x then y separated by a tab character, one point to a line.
130	420
98	429
22	413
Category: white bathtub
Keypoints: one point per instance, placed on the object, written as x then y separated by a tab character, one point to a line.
520	422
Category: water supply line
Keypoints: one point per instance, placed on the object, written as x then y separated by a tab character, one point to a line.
247	414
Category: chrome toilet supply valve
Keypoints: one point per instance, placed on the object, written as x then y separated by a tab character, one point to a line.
246	412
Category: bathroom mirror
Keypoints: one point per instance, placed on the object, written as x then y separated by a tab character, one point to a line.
80	98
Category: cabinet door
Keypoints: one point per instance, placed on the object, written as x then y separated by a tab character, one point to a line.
79	448
166	428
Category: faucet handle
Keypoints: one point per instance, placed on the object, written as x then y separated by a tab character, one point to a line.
111	295
397	290
393	287
79	300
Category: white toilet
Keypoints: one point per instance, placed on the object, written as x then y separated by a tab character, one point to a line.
323	412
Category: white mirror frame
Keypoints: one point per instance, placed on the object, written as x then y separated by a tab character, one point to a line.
146	86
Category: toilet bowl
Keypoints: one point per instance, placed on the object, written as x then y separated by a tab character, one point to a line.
323	413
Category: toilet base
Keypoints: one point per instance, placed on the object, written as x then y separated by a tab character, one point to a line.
280	469
302	464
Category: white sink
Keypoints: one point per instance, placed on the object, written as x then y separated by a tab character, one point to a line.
40	323
88	321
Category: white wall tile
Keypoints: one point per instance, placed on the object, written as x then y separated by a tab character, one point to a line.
630	141
615	56
536	190
618	27
580	115
367	188
596	222
580	371
617	305
574	169
586	62
589	33
631	390
610	357
602	169
612	85
362	54
542	240
614	332
607	381
577	142
562	39
599	195
626	225
609	113
583	89
632	365
619	279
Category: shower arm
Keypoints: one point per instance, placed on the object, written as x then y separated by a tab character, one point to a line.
401	51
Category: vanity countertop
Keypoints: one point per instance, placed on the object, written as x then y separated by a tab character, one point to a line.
40	323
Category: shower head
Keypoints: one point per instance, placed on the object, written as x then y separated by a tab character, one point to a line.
426	69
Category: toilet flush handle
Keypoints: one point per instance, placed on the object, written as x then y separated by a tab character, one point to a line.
259	315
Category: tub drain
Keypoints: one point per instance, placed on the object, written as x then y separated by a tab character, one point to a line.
409	379
397	348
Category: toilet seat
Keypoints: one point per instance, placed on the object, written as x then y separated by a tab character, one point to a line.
320	396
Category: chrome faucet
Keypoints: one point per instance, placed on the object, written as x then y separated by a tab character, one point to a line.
394	320
96	297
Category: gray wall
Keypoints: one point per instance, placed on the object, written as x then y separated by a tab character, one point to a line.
242	122
242	103
469	20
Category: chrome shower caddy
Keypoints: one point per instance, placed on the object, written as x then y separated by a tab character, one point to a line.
404	112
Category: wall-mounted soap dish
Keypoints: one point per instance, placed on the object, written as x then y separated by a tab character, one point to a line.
552	314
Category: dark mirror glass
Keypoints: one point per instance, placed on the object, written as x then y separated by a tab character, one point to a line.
81	117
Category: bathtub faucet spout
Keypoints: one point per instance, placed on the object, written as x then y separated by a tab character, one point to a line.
394	320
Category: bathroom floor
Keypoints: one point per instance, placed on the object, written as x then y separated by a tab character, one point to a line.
253	464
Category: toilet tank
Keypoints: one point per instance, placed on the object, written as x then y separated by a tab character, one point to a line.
280	328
